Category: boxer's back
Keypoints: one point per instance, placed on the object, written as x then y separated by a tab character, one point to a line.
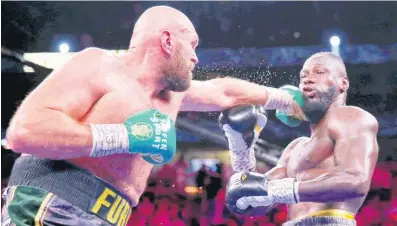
309	159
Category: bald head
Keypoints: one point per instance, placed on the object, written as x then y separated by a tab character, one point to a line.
164	42
334	59
160	18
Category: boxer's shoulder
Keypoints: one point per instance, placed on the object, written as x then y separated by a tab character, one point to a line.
98	63
91	53
93	50
297	141
351	114
347	119
85	61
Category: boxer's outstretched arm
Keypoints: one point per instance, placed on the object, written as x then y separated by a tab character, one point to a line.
46	124
224	93
356	152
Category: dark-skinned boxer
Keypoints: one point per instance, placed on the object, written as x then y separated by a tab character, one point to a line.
323	178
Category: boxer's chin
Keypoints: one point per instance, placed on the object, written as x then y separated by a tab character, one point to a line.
315	108
178	83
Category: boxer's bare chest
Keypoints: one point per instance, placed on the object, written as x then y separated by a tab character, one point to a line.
129	173
311	157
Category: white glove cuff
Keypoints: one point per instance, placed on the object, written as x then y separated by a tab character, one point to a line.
242	157
243	160
109	139
284	190
278	99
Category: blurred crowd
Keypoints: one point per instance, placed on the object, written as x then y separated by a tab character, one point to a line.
168	200
175	197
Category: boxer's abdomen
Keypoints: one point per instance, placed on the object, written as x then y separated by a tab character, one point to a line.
128	173
305	208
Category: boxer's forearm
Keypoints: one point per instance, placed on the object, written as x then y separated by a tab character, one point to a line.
237	92
50	134
333	187
224	93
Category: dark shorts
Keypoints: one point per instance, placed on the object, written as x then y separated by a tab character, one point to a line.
47	192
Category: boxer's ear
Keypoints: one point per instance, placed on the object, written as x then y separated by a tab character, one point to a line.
166	43
344	85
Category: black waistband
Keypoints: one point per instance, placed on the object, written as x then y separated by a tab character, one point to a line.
69	182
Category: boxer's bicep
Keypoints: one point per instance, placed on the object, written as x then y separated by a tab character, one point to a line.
73	88
46	124
357	156
356	147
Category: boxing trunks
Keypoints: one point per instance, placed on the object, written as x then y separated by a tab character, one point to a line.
325	218
51	192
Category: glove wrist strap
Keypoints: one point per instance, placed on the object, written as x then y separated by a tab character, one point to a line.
284	190
109	139
277	99
243	160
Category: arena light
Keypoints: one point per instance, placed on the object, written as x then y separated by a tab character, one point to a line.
64	48
4	144
27	69
335	44
192	190
334	40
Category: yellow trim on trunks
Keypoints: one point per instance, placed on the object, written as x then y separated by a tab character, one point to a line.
331	213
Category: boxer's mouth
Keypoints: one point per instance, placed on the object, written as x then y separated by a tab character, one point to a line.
309	92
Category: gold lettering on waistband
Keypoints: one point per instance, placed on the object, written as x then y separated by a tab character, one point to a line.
125	215
115	210
101	201
114	215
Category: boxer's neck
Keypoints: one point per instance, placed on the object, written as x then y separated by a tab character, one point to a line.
147	74
338	102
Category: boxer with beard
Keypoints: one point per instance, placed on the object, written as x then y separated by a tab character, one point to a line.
324	178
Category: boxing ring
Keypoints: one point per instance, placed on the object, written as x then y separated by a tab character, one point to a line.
203	141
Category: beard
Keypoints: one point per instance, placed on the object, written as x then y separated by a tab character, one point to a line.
177	76
177	83
315	109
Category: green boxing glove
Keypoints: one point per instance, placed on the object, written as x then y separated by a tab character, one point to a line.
153	137
147	132
290	117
